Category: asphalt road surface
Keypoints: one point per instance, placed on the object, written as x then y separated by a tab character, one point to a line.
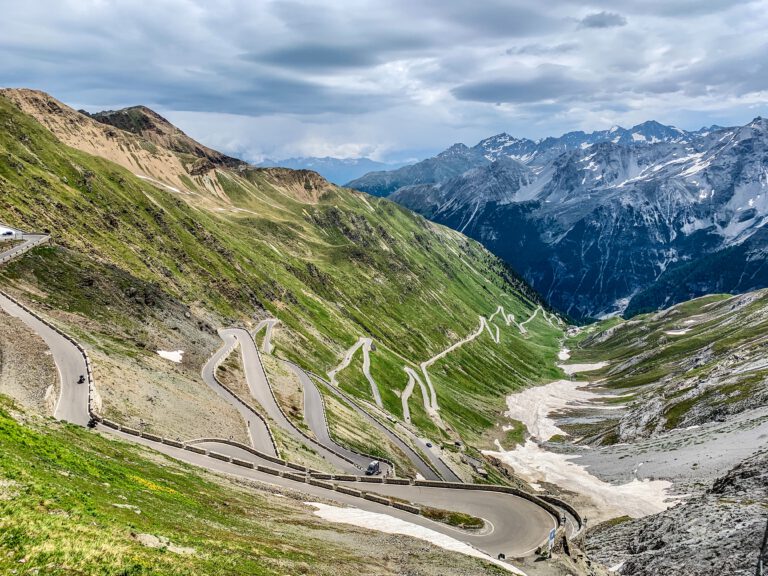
72	404
258	384
514	525
261	439
417	460
314	416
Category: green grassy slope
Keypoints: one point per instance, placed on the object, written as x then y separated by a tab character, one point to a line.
330	263
74	502
697	361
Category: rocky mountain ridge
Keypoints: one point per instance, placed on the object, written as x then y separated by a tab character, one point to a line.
148	124
717	532
593	220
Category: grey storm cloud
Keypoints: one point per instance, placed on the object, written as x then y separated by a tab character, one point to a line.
297	77
603	20
317	56
542	87
542	50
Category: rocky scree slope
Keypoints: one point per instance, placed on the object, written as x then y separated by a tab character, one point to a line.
718	532
606	222
138	266
148	124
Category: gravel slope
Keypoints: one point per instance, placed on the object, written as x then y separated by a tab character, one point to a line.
718	532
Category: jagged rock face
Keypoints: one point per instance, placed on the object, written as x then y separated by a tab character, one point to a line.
593	220
718	532
498	183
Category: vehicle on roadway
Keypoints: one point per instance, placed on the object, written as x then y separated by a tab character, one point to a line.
81	380
373	469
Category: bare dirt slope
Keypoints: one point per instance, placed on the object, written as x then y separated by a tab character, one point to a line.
131	151
27	371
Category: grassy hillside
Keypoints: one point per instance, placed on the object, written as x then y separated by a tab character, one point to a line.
74	502
137	266
695	362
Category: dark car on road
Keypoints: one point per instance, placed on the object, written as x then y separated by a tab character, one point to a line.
373	468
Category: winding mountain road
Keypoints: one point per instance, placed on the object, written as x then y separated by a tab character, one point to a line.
72	404
268	324
514	525
428	392
314	416
427	470
258	431
258	384
365	344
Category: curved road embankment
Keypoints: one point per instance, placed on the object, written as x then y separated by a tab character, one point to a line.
269	324
427	462
515	525
428	470
315	417
365	344
73	402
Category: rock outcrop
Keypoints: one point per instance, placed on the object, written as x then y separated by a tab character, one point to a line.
716	533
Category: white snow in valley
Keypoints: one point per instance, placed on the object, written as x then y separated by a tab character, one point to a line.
392	525
174	356
564	354
572	369
636	498
533	406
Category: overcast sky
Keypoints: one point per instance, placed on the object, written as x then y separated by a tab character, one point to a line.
393	79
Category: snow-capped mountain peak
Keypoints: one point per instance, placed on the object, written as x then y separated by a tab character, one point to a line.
591	219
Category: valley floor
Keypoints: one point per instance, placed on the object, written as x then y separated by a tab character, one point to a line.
689	489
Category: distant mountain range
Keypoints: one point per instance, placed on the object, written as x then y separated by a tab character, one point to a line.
336	170
614	221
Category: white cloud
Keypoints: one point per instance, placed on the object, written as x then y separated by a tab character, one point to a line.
284	78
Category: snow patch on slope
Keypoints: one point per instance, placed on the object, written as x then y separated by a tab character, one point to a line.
391	525
174	356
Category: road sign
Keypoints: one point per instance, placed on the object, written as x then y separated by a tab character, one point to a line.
551	538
